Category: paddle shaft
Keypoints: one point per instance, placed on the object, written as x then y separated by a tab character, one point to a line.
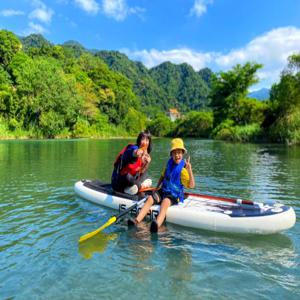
112	220
126	211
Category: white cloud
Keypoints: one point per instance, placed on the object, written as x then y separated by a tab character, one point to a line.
118	9
155	57
11	13
200	7
90	6
270	49
34	28
42	14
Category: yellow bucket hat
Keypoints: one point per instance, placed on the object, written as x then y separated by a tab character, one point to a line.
177	144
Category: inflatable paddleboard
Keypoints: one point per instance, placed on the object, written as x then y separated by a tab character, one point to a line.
201	211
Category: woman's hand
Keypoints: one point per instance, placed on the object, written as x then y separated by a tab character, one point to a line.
139	152
146	158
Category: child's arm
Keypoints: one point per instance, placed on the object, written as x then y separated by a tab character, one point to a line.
188	167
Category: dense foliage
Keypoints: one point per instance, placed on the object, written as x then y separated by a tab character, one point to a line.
49	90
66	90
284	119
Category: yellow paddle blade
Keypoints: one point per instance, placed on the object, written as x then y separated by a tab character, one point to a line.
112	220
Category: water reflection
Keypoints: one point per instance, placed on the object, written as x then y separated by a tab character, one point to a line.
97	244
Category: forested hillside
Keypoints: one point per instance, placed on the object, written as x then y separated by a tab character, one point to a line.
151	95
165	86
51	90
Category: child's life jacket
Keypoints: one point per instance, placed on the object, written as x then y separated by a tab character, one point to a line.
172	180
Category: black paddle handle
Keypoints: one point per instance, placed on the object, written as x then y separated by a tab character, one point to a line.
129	209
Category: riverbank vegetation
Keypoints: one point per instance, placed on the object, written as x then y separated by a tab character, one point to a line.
56	91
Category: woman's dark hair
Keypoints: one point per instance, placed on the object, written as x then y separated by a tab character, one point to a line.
144	134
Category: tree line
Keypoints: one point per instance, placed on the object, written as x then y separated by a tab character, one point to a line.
49	91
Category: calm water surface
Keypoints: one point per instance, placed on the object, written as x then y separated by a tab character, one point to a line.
41	221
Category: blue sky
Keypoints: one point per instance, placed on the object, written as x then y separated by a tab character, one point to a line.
204	33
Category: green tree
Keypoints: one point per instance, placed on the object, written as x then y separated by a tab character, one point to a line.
134	121
7	94
284	117
9	46
230	87
114	90
249	111
48	99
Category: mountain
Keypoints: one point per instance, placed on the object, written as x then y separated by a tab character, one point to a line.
34	41
185	87
164	86
144	86
206	75
76	48
262	94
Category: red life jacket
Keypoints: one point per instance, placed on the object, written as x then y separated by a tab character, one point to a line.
132	168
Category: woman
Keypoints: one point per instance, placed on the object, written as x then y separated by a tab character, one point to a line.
130	167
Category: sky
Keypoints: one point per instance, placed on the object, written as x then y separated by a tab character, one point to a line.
217	34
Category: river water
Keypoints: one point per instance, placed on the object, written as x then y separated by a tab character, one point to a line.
41	221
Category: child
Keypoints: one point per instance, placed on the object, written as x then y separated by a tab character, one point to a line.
177	175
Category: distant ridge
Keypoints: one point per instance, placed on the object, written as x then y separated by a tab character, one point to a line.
262	94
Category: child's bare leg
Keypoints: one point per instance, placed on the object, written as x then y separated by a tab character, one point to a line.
166	203
145	209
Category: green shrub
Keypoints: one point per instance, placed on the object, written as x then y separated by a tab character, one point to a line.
160	126
286	129
13	124
247	133
4	132
227	131
195	124
81	128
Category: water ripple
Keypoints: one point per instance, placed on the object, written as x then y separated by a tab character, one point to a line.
41	221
